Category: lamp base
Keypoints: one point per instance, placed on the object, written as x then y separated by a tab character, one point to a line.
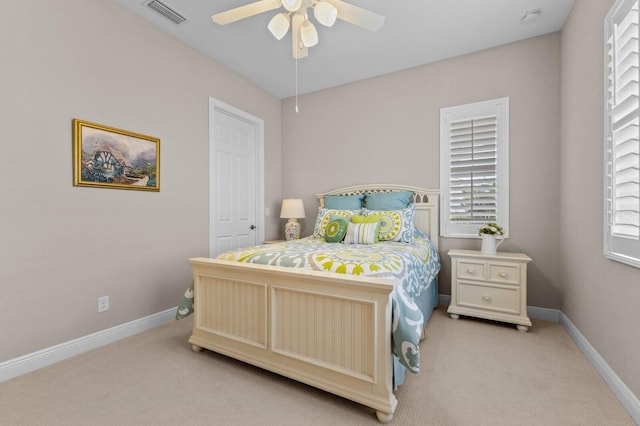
292	230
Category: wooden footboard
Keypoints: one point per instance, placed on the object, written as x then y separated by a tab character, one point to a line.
330	331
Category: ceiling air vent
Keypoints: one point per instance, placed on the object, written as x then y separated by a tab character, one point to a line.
166	11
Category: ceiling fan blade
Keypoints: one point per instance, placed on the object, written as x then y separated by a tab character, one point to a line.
358	16
251	9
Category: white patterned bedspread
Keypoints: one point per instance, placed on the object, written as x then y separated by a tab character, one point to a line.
414	264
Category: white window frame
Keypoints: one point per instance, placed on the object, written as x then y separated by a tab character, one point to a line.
621	149
500	109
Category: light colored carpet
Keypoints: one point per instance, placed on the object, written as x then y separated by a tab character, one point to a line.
474	372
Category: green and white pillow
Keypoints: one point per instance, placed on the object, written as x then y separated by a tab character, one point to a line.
336	229
324	217
395	225
362	233
362	230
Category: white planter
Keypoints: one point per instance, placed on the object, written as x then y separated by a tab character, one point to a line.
490	243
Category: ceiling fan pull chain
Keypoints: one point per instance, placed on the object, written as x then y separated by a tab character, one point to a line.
295	35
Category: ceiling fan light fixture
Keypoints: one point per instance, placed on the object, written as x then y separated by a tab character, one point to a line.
279	25
294	15
292	5
325	13
308	34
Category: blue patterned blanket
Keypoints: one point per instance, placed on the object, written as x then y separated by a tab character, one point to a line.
414	265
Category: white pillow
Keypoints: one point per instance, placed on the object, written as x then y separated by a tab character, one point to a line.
324	217
362	233
395	225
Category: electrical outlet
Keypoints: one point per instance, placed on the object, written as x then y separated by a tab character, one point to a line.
103	303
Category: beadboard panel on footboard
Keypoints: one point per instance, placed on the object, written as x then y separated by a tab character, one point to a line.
331	331
234	310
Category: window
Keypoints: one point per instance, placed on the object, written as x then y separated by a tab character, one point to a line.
474	179
622	182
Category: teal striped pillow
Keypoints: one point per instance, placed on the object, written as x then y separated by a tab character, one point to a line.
362	233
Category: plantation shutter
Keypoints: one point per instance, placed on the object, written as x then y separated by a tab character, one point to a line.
473	170
622	146
474	165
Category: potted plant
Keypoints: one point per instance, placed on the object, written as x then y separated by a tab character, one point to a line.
489	234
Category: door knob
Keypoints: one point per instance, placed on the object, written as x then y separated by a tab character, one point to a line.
252	227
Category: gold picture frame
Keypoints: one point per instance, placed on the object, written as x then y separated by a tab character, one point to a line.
106	157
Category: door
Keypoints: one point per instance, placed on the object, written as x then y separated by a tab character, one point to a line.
236	179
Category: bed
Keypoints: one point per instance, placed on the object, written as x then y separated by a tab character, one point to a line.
328	316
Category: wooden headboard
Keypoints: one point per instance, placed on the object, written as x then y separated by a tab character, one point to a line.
425	200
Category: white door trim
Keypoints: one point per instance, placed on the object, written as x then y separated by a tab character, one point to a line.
216	106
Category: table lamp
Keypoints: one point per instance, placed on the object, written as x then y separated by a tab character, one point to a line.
292	209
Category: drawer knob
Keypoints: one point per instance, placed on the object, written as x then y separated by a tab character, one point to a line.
471	271
486	297
503	274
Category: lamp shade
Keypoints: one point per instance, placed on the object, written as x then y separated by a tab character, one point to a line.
308	34
325	13
279	25
292	208
292	5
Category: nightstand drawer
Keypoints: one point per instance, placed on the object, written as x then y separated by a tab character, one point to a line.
506	274
499	299
469	269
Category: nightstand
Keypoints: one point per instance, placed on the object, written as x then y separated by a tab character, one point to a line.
489	286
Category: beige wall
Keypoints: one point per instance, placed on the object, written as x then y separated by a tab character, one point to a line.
63	246
386	130
600	296
351	134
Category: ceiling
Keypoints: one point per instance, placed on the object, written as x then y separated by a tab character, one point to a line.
415	32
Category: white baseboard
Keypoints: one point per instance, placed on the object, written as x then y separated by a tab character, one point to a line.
545	314
444	299
36	360
628	400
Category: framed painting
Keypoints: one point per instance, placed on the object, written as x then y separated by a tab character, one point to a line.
107	157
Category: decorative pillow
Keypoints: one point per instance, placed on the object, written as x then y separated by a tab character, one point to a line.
336	229
343	202
367	219
362	218
362	233
395	225
324	217
388	200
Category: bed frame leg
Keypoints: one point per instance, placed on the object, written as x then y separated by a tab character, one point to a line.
384	417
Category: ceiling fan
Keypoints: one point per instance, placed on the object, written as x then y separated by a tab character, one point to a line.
296	16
